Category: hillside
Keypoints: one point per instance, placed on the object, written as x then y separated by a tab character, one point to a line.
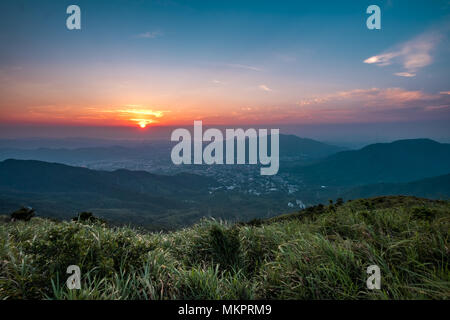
318	253
60	191
38	176
148	200
396	162
435	188
293	146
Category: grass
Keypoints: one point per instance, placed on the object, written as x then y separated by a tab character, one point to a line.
319	253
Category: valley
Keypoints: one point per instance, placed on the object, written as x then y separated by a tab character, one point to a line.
141	186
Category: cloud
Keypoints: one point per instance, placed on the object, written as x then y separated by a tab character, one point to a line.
264	87
144	112
434	108
243	66
382	59
140	115
374	104
149	35
405	74
444	92
387	98
412	55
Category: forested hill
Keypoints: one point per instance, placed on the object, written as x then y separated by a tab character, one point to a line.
399	161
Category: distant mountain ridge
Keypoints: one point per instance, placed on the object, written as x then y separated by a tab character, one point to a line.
290	146
395	162
73	156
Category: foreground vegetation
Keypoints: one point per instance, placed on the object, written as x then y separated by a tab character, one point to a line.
318	253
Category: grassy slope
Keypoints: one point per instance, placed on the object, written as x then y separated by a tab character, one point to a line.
322	252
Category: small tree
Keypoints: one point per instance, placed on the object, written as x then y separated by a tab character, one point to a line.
87	217
24	214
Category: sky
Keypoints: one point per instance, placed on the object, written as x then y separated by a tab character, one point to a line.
291	64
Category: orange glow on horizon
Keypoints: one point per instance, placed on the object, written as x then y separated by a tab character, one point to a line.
142	122
148	116
347	106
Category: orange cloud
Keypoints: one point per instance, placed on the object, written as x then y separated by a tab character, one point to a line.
265	88
374	104
390	97
138	114
97	115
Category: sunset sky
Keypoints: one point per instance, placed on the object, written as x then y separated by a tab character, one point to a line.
157	63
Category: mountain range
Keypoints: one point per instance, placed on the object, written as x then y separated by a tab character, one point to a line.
290	146
419	167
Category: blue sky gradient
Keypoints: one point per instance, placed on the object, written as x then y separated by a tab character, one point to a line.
244	62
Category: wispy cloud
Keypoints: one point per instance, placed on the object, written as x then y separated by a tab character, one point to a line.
135	113
412	55
373	97
149	34
405	74
356	105
243	66
143	112
264	88
139	115
435	108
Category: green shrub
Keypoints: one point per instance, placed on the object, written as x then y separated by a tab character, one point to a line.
225	247
87	217
23	214
423	213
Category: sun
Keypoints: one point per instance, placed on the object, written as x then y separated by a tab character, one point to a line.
145	116
142	123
